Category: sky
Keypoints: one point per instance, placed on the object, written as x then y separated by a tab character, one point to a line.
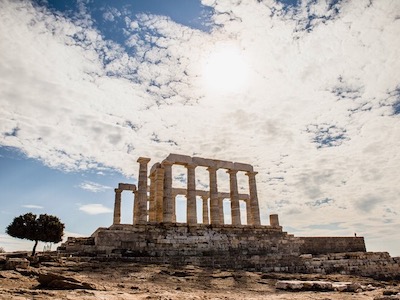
308	92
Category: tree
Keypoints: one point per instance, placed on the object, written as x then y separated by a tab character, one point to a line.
46	228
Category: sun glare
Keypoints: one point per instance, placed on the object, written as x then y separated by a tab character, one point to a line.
225	70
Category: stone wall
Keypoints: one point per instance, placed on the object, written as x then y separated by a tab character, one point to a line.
226	246
378	265
323	245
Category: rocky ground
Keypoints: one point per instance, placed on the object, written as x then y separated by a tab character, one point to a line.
90	280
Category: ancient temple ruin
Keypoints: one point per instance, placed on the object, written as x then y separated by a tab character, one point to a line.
156	237
156	202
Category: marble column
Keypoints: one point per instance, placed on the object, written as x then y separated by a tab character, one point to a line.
117	207
141	200
173	207
214	207
235	207
205	209
221	211
159	193
152	198
248	212
254	207
168	206
135	207
191	207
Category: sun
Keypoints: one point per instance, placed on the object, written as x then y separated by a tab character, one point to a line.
225	69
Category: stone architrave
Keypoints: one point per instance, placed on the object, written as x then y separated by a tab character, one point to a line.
205	209
191	194
117	207
141	200
214	207
254	207
235	206
167	197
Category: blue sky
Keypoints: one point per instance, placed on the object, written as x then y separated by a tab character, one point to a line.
307	92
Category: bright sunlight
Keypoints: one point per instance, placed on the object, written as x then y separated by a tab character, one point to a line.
225	69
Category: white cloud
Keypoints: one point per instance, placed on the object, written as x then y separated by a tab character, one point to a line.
317	120
33	206
95	209
94	187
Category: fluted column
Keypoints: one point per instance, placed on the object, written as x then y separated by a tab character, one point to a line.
167	199
254	207
205	209
248	212
221	211
235	207
159	191
141	218
191	209
173	207
117	207
152	198
135	207
214	207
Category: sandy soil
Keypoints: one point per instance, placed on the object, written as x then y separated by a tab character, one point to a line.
134	281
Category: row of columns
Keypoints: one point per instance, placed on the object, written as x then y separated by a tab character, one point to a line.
253	215
162	202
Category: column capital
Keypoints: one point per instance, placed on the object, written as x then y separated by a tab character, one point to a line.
253	173
191	166
118	190
166	163
143	160
230	171
212	169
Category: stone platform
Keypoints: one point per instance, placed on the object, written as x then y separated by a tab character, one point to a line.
224	246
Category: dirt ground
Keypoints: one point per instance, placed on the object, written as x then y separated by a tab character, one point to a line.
125	280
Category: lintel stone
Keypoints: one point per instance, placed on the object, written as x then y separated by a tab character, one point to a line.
222	164
243	167
127	187
179	159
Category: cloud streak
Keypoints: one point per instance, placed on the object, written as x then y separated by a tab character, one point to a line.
94	187
95	209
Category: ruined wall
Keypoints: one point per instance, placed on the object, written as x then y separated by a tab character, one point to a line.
378	265
323	245
251	247
264	248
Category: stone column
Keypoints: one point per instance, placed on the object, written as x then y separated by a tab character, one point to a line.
141	201
173	207
117	207
152	198
214	207
254	207
235	206
205	209
221	211
159	190
274	220
191	209
248	212
135	207
167	198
